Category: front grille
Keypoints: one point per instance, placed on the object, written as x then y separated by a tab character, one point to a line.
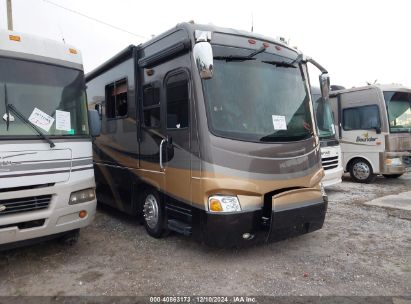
24	204
407	161
329	162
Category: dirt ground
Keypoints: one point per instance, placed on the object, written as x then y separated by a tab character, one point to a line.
361	250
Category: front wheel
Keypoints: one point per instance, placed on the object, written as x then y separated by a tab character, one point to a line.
361	171
392	175
153	214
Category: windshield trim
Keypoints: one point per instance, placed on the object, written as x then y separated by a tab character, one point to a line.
42	60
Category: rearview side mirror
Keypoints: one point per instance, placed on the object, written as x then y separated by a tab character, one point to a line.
203	56
325	86
95	123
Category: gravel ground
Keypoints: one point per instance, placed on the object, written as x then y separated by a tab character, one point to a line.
361	250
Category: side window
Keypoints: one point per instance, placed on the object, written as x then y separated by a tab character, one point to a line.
361	118
116	99
177	101
151	106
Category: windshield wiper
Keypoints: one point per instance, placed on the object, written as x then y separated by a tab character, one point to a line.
28	122
241	58
6	103
284	64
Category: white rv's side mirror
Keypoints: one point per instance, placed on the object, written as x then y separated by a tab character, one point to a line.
325	86
95	123
203	56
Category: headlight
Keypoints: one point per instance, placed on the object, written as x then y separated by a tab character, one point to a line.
219	203
82	196
393	161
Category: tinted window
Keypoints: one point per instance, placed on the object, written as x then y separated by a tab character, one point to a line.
151	96
361	118
151	107
177	101
116	99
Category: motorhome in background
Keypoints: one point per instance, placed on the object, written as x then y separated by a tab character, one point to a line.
374	128
209	132
330	147
47	186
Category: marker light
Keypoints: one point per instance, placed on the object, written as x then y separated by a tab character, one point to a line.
219	203
278	48
72	51
14	38
82	214
266	45
251	41
82	196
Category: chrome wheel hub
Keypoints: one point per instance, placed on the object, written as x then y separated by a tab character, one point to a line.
150	211
361	170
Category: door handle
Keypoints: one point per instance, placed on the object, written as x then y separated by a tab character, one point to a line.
161	153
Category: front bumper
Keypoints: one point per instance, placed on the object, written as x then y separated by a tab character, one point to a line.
58	221
332	176
229	230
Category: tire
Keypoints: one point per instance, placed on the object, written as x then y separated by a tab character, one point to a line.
392	175
153	214
71	238
361	171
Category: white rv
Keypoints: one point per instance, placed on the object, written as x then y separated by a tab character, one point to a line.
374	128
330	147
47	186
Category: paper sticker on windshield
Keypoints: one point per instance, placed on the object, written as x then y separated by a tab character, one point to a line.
41	119
279	122
63	121
333	128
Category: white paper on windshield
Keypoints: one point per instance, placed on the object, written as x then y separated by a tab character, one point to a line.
333	128
63	121
41	119
279	122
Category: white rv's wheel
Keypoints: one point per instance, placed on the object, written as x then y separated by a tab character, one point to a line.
153	214
70	238
361	171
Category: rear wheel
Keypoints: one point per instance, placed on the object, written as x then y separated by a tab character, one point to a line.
153	214
392	175
361	171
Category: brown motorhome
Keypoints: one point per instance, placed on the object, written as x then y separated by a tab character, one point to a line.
209	132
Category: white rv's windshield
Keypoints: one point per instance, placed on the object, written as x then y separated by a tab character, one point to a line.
399	111
52	97
324	117
256	101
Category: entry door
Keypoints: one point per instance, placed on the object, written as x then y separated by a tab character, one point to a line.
177	158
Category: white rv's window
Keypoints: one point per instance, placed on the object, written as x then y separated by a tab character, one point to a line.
34	88
151	106
116	99
361	118
399	111
177	101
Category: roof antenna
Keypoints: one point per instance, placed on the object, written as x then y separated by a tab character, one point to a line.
252	22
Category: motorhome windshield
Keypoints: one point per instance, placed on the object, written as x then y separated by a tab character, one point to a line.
52	96
258	101
399	111
324	117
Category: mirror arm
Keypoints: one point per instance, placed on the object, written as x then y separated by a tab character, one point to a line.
316	64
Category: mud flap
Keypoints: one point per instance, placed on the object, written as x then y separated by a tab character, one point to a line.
296	212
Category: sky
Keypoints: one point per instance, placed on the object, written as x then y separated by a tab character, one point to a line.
356	41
